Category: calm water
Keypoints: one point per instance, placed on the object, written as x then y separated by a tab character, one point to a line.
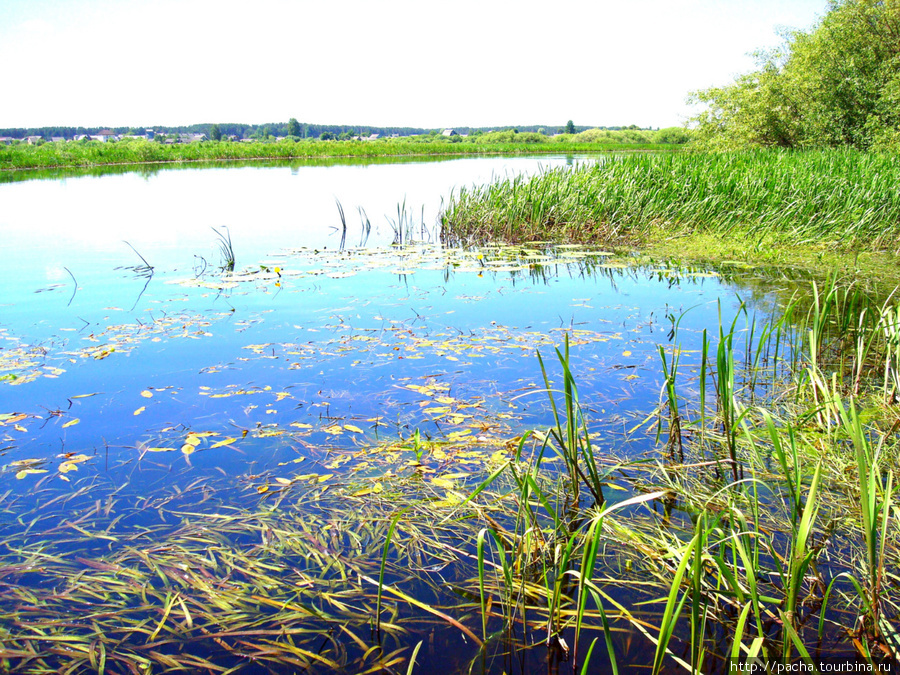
125	389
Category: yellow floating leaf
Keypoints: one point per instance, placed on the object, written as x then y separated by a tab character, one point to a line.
227	441
437	410
160	449
71	423
280	396
443	482
24	472
19	427
451	499
66	467
262	488
188	449
301	425
147	393
626	353
353	428
334	430
139	410
324	477
192	439
283	481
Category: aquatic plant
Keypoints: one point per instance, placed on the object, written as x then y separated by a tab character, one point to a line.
843	198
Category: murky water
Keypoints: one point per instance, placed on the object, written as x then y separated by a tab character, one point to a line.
151	400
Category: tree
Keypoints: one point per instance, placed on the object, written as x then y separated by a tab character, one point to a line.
293	128
836	85
570	127
215	134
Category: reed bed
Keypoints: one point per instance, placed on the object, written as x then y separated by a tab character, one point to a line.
844	198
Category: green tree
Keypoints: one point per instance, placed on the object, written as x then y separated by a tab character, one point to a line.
293	128
215	134
570	127
836	85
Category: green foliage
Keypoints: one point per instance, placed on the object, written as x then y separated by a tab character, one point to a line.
293	128
845	198
570	127
215	134
838	85
672	135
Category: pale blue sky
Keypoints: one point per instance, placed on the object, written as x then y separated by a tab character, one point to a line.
395	62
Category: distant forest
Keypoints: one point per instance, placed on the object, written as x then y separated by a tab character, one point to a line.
261	131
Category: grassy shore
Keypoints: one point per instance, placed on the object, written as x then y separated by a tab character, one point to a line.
139	151
842	199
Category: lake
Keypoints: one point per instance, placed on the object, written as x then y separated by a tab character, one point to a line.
204	467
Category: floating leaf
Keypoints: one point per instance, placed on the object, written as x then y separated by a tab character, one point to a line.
24	472
353	428
160	449
227	441
71	423
139	410
147	393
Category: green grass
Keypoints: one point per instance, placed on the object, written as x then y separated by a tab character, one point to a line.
139	151
846	199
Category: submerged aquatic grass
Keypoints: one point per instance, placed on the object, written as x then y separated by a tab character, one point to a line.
478	546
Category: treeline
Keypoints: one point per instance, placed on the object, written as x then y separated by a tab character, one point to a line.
291	128
837	85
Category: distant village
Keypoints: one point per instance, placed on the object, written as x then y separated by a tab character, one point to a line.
149	135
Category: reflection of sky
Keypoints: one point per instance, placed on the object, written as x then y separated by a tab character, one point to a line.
337	345
80	222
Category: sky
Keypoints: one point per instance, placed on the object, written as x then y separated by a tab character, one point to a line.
424	64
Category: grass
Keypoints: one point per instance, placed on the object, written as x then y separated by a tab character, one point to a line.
139	151
841	198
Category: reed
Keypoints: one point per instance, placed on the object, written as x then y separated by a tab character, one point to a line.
842	198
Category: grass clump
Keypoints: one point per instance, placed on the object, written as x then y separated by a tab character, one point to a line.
843	198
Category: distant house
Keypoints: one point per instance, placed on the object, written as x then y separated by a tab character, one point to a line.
372	137
81	137
57	139
32	140
192	138
449	132
105	135
6	140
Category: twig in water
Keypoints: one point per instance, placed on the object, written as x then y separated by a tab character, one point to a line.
74	290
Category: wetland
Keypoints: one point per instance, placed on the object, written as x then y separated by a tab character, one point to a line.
343	416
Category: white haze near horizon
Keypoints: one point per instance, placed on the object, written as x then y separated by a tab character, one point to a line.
394	63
